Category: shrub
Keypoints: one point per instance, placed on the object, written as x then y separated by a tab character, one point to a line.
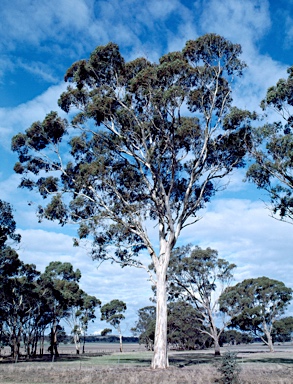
229	368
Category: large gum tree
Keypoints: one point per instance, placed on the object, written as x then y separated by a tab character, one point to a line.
145	147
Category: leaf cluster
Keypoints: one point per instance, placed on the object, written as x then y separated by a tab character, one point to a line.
255	304
135	154
272	150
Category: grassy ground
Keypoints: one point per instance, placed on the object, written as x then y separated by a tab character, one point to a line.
257	366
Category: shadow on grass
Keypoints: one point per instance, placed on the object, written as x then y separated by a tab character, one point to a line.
48	358
271	360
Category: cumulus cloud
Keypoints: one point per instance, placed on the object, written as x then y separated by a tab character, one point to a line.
17	119
244	233
239	227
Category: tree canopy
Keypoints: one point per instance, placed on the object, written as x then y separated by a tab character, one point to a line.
184	327
150	145
272	151
255	304
199	276
112	312
31	301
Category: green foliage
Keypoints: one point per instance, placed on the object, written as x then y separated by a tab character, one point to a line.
135	154
184	327
255	304
233	337
194	274
229	368
283	329
112	312
272	150
145	326
106	331
7	225
137	139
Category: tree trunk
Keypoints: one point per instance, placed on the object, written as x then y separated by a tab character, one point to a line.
83	344
77	343
160	357
217	346
215	336
42	342
54	345
269	341
120	340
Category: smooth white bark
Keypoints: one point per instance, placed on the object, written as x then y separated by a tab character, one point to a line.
160	357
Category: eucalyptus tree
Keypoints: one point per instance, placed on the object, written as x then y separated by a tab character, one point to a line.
112	312
272	169
145	326
283	329
80	314
254	306
184	327
59	286
148	145
199	276
7	225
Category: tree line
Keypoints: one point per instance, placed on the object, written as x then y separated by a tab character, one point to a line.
31	302
148	145
205	310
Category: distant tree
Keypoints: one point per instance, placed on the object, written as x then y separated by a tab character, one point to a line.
88	314
255	304
106	331
145	326
200	276
18	302
60	287
233	337
19	305
112	312
283	329
7	225
273	150
183	327
152	143
80	313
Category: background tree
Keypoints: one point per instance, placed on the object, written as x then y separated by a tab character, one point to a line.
7	225
106	331
283	329
145	326
60	286
200	277
273	150
19	306
233	337
81	312
184	327
255	304
135	157
112	312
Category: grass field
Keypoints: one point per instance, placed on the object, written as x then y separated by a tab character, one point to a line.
103	365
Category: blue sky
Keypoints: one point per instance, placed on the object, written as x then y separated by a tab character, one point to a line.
40	39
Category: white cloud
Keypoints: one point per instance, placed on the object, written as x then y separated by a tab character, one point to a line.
17	119
241	230
244	233
241	22
34	21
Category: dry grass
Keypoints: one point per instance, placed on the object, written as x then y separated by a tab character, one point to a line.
197	367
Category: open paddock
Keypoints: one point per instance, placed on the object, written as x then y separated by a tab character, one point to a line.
133	367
